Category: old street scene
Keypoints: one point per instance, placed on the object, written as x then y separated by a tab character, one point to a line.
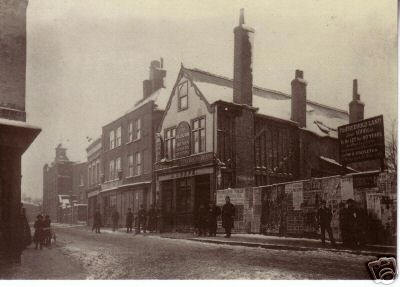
212	140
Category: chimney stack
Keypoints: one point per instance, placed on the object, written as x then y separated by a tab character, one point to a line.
156	78
356	107
299	99
242	63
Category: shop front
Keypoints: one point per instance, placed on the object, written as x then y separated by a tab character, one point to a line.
183	186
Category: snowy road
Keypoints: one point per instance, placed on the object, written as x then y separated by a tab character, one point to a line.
127	256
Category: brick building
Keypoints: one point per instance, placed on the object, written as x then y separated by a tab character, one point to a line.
15	134
57	184
128	151
218	133
94	176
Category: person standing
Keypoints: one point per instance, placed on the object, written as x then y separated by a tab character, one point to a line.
213	213
202	214
115	219
324	221
97	221
343	223
142	216
38	235
228	216
27	237
129	221
47	231
152	218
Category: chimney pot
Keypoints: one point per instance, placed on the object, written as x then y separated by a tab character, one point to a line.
299	74
299	99
241	18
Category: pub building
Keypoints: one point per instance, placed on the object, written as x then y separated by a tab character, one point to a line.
127	153
219	133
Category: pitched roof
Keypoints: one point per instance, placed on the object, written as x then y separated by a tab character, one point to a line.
160	98
321	119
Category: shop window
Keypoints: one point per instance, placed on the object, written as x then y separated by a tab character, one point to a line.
183	195
170	143
183	96
199	135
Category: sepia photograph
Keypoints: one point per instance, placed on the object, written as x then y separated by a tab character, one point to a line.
198	140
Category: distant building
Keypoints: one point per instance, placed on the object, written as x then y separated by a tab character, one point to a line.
57	184
79	181
218	133
16	134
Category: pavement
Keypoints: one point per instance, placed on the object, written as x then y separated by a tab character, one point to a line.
82	254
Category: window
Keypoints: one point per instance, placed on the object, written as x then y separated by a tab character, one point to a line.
111	170
130	132
112	139
183	96
117	166
89	175
138	129
81	179
198	135
138	160
170	143
94	173
98	171
118	137
130	165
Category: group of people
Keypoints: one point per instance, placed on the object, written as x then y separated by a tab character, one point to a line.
352	223
146	220
43	234
206	218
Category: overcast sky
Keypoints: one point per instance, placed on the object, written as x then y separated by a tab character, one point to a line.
87	59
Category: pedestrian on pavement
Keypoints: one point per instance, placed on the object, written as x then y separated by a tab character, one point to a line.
324	221
115	219
152	218
142	217
47	230
38	236
213	213
27	237
129	221
202	216
343	224
361	224
351	219
97	221
228	216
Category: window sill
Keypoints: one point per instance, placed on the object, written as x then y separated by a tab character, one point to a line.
182	109
136	140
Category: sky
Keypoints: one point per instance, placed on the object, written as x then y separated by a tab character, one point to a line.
86	60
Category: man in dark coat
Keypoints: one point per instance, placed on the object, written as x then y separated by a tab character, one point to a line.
213	213
115	219
343	224
228	216
46	230
324	221
201	220
142	217
351	222
97	221
38	236
152	218
129	221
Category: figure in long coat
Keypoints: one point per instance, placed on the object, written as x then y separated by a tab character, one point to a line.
129	221
213	213
38	236
228	216
97	221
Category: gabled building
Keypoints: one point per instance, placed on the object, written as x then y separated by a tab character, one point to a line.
218	132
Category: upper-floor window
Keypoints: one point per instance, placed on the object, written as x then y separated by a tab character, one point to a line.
81	179
93	173
117	167
138	129
89	174
111	171
112	139
98	171
130	131
138	163
199	135
130	165
170	143
118	137
183	96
